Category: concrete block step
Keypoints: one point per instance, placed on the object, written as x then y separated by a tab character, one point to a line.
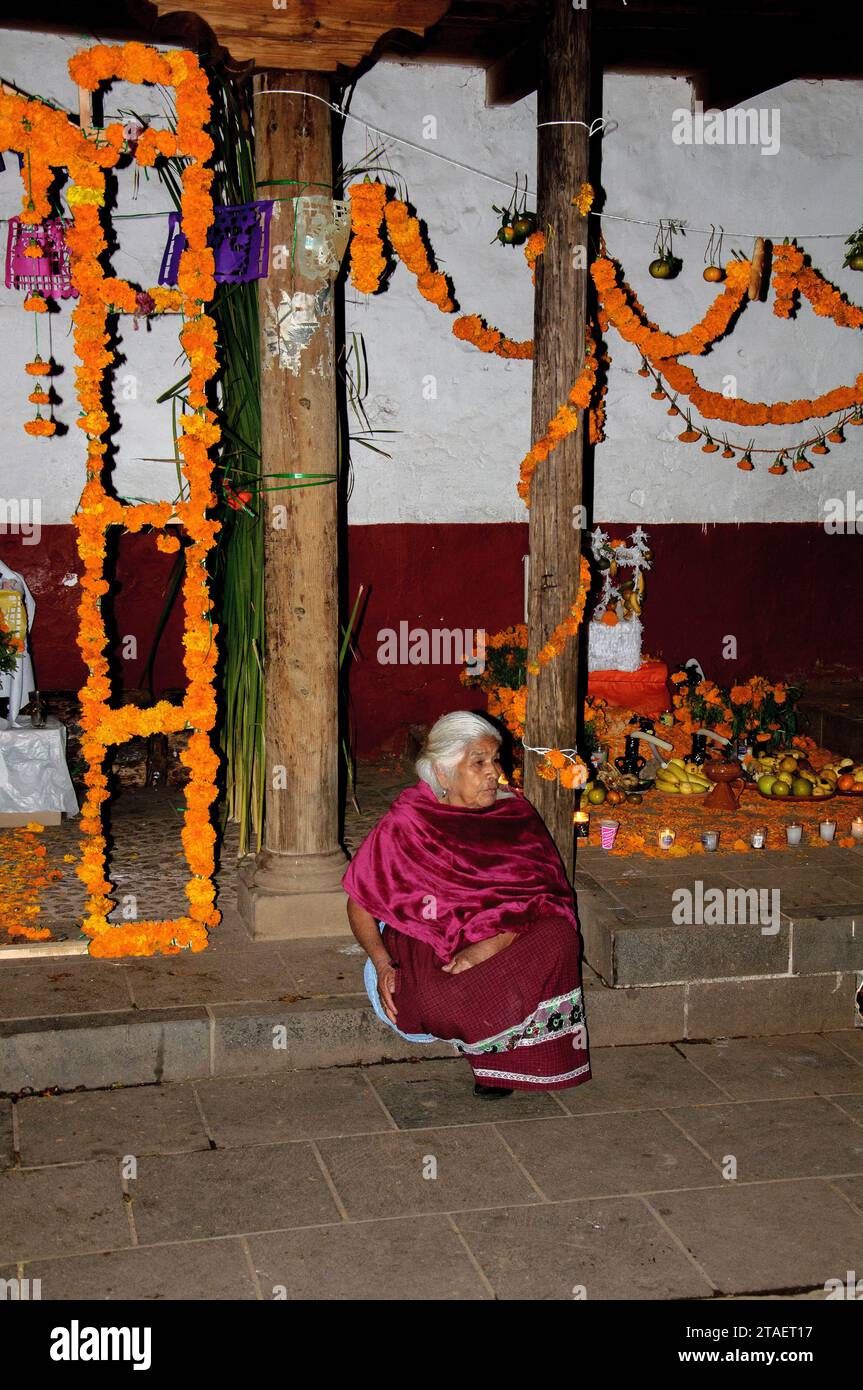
628	950
139	1047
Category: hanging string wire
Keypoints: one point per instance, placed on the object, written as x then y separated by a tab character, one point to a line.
597	126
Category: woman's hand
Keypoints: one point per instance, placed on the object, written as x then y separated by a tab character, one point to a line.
387	975
477	952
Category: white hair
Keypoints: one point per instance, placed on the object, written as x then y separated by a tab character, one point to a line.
447	741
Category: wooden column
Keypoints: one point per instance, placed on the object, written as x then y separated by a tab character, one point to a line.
559	334
295	887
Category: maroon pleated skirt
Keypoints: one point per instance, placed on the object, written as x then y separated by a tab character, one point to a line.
517	1017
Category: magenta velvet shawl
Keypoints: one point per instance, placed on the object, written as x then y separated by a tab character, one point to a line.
448	875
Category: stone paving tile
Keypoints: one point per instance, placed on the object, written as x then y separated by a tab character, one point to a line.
639	1078
851	1104
651	897
383	1174
423	1094
777	1138
5	1133
801	887
67	985
299	1105
329	965
789	1065
414	1259
60	1211
215	1270
600	1155
766	1236
613	1249
225	977
98	1124
186	1196
850	1040
853	1190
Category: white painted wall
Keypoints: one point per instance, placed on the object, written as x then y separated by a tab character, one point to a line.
53	469
457	456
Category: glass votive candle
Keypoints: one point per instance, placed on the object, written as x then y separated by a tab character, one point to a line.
666	837
857	828
758	837
794	833
581	821
710	839
827	829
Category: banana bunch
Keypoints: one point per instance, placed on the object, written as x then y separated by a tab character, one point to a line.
677	778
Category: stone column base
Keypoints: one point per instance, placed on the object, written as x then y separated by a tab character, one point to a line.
284	897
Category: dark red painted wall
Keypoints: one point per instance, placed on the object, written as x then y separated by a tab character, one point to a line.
142	574
791	594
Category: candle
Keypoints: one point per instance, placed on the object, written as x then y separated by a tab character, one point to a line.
757	838
581	821
710	839
857	827
828	829
666	838
794	834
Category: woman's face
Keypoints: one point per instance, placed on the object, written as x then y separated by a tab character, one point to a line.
473	782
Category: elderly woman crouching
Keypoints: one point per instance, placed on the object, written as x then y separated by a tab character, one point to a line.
460	899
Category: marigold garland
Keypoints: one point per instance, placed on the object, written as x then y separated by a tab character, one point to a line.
564	422
566	629
624	312
470	328
407	242
50	141
367	248
662	349
792	275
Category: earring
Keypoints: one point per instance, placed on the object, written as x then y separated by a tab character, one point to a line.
444	793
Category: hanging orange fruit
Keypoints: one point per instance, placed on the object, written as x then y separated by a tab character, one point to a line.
713	274
665	267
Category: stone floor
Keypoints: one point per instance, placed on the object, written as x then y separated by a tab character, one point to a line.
728	1170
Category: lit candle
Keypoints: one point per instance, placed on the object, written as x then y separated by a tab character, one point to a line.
857	827
710	839
581	821
794	834
828	829
666	838
757	838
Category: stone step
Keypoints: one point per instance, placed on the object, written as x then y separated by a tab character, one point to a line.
631	937
140	1047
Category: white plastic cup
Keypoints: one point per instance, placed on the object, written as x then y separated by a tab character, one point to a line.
607	833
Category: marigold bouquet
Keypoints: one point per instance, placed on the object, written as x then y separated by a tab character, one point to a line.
757	710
